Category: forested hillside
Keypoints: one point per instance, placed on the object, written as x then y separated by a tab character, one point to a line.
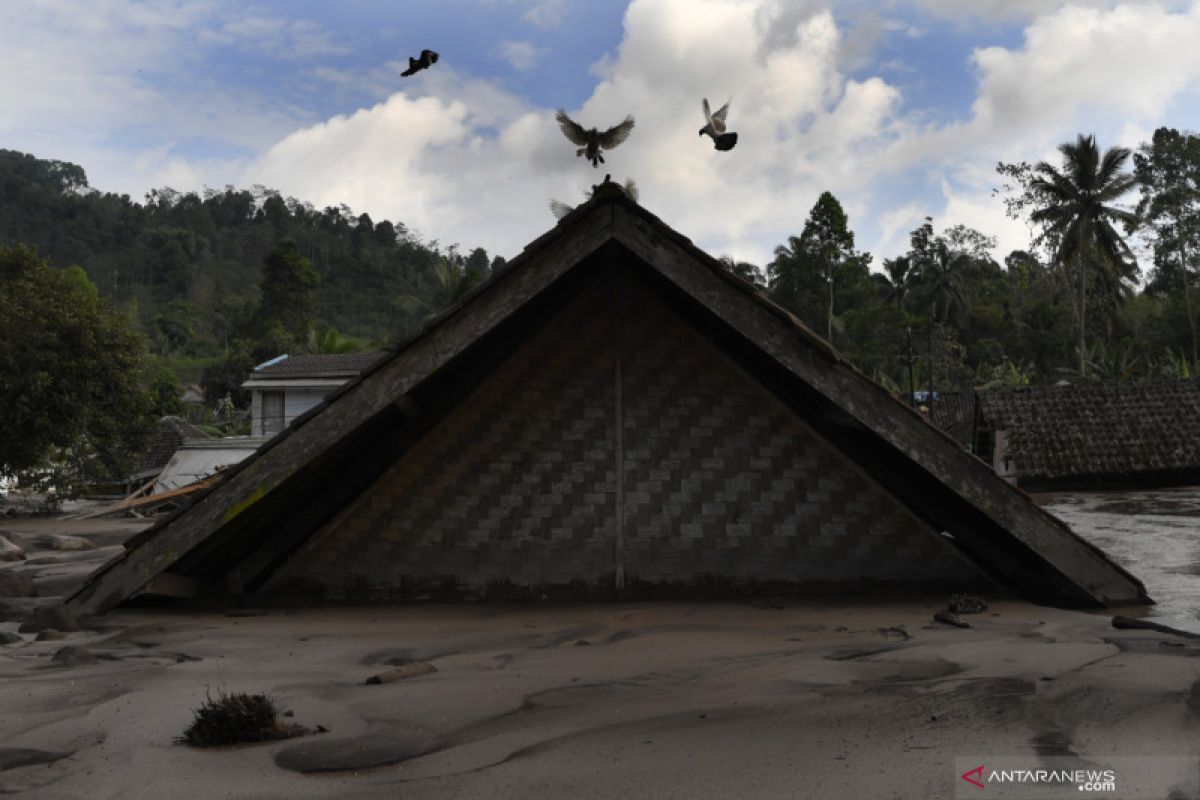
188	268
1103	291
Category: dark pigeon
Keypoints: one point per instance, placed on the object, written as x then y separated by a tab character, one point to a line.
725	141
591	140
428	59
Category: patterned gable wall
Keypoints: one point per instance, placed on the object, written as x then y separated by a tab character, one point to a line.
722	484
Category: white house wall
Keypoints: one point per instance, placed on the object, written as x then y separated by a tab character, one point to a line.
297	401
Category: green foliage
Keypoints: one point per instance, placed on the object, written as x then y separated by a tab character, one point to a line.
165	393
819	271
324	339
1168	169
287	304
70	374
744	270
190	265
224	379
453	279
1074	205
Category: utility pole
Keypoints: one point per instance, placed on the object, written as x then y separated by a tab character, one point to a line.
929	399
910	358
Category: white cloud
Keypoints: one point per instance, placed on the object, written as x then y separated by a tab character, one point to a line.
462	160
274	35
1079	71
106	84
1027	9
521	56
546	14
470	162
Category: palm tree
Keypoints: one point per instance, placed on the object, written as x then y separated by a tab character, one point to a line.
326	339
452	281
1076	212
900	277
941	275
939	279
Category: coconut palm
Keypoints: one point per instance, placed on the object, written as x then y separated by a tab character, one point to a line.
900	278
941	280
1077	213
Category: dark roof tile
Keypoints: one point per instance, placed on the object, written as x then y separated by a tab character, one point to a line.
1098	429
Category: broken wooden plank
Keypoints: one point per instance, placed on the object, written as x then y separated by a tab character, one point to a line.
152	500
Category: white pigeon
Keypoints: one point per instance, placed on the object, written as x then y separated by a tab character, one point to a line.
714	126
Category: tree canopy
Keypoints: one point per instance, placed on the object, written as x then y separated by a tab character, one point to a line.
71	373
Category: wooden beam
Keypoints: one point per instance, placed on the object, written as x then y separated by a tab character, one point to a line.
152	500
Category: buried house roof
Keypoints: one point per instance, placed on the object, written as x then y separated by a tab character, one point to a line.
171	433
1106	433
316	365
236	535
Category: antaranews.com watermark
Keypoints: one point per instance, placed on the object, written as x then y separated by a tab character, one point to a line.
1056	777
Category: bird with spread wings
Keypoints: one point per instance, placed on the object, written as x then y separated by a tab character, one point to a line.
714	126
590	140
427	59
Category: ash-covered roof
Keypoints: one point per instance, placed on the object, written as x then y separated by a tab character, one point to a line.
1098	429
320	365
171	433
261	510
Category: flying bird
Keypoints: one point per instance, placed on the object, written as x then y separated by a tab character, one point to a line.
591	141
428	59
714	126
560	209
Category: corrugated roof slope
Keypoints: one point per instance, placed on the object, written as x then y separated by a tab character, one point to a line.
1098	429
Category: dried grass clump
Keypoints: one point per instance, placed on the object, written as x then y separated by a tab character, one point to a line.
236	718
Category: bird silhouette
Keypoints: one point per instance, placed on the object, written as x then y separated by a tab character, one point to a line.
428	59
591	140
714	126
560	209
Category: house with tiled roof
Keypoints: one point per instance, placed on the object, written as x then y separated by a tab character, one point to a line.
169	436
1094	435
287	386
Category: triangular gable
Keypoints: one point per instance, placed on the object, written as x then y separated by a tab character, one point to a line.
995	524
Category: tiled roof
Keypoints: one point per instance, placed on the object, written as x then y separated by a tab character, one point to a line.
1098	429
953	412
171	433
320	365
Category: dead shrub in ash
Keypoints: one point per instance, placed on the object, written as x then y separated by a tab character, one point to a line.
237	718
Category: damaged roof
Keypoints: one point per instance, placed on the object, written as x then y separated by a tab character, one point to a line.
264	508
1098	429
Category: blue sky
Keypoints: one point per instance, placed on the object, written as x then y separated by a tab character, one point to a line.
901	108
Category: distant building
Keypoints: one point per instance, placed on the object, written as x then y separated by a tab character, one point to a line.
196	459
286	387
172	432
193	402
1091	436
